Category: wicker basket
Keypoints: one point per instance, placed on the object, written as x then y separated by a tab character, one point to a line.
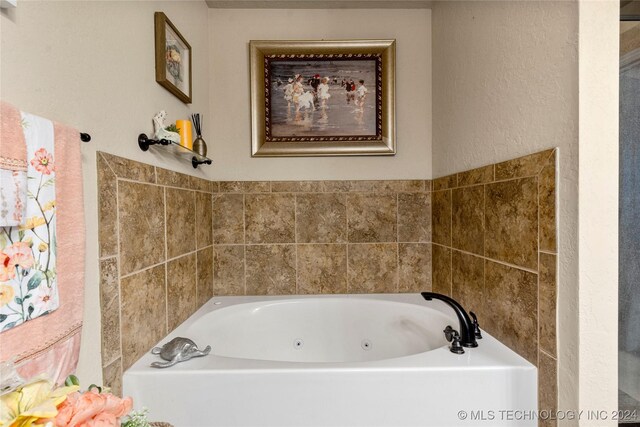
161	424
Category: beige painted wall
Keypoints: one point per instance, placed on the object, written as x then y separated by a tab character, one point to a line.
598	214
230	32
506	83
91	65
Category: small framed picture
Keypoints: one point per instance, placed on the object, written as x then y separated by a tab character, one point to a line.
323	98
173	59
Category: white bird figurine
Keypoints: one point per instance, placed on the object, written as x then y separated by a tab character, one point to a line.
160	131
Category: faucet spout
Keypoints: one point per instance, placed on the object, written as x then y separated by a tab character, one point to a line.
467	335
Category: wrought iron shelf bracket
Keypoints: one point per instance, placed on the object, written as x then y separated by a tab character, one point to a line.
145	142
195	162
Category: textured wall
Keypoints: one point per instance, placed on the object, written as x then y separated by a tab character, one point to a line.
597	333
505	79
90	64
495	251
230	32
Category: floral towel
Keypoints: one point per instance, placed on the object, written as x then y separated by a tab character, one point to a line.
13	167
13	185
28	287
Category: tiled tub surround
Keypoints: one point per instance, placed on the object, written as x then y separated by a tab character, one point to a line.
168	242
156	256
319	237
494	250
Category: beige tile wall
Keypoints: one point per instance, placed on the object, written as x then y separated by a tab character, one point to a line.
309	237
156	256
494	249
169	242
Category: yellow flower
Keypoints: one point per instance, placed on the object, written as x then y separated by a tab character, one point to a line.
43	247
31	403
33	222
29	241
49	206
6	294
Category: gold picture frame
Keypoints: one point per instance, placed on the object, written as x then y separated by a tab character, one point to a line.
351	118
173	59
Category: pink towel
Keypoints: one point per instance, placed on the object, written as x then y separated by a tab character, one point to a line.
51	343
13	149
13	167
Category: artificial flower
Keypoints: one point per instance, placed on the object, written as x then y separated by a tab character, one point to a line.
20	254
6	294
7	270
29	241
33	222
104	419
31	403
49	206
92	409
43	161
43	247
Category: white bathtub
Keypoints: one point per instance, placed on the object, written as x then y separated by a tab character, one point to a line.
349	360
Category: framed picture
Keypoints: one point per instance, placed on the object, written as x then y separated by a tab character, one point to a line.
323	98
173	59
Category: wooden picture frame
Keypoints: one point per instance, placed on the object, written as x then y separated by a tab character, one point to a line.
173	59
322	98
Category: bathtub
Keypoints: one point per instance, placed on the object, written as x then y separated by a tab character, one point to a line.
348	360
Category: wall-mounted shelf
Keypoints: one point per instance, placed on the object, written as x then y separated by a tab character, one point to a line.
196	159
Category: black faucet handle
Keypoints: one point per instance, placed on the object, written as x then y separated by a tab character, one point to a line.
476	326
449	333
454	338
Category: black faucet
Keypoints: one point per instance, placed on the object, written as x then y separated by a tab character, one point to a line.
467	328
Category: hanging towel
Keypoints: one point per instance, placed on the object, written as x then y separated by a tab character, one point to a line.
28	274
50	344
13	167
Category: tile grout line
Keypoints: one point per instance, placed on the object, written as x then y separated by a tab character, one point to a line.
244	243
451	238
538	259
556	237
166	269
195	219
346	217
118	264
213	250
494	181
152	266
295	236
484	245
487	258
108	165
155	184
547	252
397	244
555	359
314	243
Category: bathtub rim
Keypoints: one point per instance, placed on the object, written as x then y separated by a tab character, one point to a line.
491	354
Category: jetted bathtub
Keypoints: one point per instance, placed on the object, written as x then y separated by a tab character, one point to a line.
348	360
